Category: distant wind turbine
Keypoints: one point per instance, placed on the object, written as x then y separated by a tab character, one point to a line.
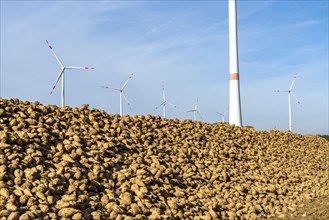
122	92
289	99
223	115
62	73
195	111
164	103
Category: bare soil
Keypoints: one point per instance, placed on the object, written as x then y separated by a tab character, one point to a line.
317	209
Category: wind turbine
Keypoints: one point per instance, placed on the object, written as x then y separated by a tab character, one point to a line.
164	103
289	99
122	92
235	103
223	115
62	74
195	111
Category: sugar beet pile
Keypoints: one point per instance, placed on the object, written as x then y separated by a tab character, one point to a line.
77	163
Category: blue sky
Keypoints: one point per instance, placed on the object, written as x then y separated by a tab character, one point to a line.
182	45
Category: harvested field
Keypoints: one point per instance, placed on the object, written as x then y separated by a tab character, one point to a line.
76	163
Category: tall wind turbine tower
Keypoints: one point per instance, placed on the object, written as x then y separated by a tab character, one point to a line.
235	105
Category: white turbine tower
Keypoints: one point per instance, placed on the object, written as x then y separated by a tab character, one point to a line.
164	103
289	99
223	115
195	111
122	92
62	74
235	104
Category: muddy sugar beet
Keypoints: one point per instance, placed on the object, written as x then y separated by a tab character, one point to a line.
77	163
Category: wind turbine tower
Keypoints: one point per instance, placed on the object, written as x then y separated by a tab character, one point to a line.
235	104
289	91
62	73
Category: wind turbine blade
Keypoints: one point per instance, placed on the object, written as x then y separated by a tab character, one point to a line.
124	96
293	81
281	90
197	101
296	99
53	51
193	110
220	113
199	114
59	77
79	67
124	85
162	103
163	94
171	104
110	87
